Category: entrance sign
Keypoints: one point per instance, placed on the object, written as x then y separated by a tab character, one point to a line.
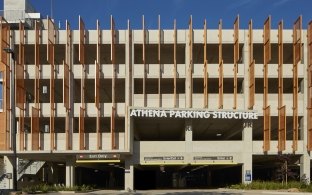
159	113
97	156
163	158
213	158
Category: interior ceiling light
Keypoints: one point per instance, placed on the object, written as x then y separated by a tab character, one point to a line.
219	134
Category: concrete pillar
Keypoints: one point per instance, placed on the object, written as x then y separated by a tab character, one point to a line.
305	167
188	135
70	174
305	163
247	152
129	175
7	182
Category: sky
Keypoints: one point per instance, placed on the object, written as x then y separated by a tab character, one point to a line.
212	10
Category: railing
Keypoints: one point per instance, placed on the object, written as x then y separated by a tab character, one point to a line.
22	165
31	168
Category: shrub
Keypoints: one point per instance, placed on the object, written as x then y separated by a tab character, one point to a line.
44	188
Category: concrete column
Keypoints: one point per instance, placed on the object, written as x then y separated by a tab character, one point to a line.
129	175
305	167
247	152
7	182
188	135
305	163
70	174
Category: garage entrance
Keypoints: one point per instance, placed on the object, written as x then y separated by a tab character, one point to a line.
186	176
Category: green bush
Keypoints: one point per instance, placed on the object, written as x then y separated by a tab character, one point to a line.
44	188
271	185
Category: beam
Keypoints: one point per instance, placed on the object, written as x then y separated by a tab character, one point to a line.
175	64
281	108
5	71
66	88
35	144
20	86
297	54
236	58
50	59
266	108
267	129
220	67
97	85
113	111
82	129
205	67
113	133
190	68
251	96
159	62
82	41
309	73
144	61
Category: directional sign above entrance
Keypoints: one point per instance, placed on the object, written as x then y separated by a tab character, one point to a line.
94	158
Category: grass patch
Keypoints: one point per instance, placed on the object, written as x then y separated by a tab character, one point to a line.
44	188
271	185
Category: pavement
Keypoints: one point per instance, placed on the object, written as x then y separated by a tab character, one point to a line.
220	191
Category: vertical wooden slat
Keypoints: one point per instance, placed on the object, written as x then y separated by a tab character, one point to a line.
5	69
190	69
35	128
35	138
159	62
82	41
97	103
37	63
66	86
20	86
175	64
297	29
19	71
97	85
81	129
220	67
113	53
251	96
82	35
128	99
144	61
50	55
266	129
113	133
281	108
67	72
281	128
22	130
280	64
113	36
309	73
236	58
266	108
205	67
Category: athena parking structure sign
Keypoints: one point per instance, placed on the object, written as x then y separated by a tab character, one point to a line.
193	114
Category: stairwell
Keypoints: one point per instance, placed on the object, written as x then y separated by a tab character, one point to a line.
27	167
2	174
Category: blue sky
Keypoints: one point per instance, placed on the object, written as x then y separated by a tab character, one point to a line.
212	10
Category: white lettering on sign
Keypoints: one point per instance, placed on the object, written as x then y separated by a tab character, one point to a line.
154	113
